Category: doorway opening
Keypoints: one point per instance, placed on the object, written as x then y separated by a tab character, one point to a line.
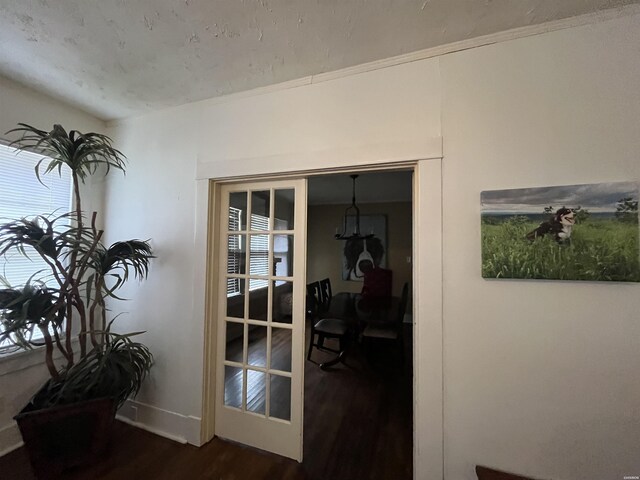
358	388
426	447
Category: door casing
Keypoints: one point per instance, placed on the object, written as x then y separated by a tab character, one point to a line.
428	407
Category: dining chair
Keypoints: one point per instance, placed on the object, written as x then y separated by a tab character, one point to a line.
325	328
325	290
391	331
314	300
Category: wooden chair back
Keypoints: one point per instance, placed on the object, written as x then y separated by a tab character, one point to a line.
402	307
325	290
314	299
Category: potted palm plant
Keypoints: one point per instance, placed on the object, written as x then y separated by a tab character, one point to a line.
92	369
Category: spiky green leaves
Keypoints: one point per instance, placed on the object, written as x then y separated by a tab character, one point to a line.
84	271
36	232
118	262
83	153
33	303
116	370
129	256
26	309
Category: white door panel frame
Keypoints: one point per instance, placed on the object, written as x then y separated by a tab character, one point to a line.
242	423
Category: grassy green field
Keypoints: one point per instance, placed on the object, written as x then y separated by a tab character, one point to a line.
601	249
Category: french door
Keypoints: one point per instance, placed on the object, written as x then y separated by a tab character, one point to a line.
261	315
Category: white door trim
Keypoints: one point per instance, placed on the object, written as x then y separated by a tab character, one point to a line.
428	386
428	449
304	163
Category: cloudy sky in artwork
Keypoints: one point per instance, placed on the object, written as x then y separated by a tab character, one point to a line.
598	197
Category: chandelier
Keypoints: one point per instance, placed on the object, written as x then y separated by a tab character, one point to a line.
352	233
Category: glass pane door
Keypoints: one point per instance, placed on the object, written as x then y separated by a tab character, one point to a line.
261	315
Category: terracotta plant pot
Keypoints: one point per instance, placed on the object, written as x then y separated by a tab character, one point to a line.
58	438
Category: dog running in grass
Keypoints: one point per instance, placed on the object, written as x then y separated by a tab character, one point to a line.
559	226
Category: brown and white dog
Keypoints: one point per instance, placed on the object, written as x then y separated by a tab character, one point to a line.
560	226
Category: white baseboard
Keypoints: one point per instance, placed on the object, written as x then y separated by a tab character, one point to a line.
171	425
10	438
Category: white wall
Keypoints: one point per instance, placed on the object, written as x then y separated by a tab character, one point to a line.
551	395
540	377
389	106
157	199
19	104
21	376
22	105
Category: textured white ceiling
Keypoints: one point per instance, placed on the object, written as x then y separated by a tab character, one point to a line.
116	58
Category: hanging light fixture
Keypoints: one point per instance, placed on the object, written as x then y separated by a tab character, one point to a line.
352	211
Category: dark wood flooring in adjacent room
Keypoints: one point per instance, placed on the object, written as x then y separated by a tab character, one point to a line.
358	425
358	421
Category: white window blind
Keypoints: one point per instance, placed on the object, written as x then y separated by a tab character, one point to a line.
281	251
259	252
22	195
235	251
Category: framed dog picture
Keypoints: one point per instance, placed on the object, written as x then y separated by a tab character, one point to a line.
359	255
574	232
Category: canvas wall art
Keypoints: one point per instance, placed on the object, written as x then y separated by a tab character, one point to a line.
358	255
575	232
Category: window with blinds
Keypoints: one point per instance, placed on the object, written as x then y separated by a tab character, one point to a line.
259	251
22	195
235	251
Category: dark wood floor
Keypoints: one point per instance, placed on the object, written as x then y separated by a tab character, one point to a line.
358	425
358	421
136	454
280	403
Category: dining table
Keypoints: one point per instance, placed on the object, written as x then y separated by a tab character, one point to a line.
359	309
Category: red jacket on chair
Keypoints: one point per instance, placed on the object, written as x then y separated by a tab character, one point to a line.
377	283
